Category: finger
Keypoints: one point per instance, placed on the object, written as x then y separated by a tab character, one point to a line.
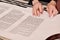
40	8
38	13
49	11
55	12
34	12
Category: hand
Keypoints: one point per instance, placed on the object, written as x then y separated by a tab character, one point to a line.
51	9
37	9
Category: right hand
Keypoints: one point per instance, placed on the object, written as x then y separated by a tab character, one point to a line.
51	8
37	9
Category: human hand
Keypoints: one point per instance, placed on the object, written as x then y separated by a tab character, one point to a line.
51	9
37	8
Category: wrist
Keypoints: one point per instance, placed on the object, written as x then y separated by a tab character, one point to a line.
53	3
35	2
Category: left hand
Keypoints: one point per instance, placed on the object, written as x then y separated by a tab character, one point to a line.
51	9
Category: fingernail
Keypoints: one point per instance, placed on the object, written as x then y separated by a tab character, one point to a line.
50	15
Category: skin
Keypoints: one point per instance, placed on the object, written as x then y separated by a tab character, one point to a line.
38	10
